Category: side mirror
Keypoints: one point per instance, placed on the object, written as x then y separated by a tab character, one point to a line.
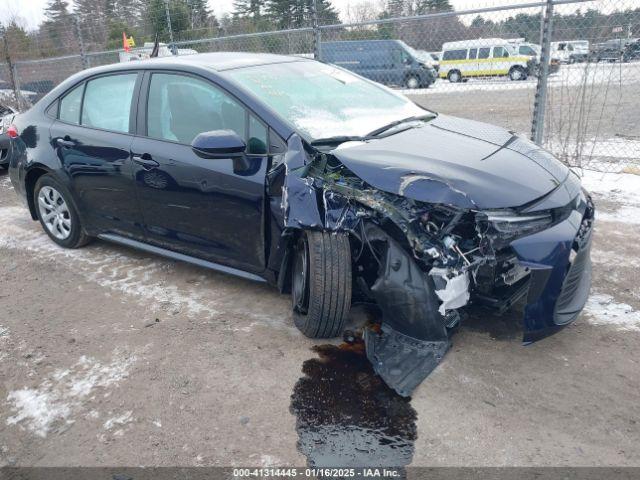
218	144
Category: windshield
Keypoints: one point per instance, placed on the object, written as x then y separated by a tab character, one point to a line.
324	101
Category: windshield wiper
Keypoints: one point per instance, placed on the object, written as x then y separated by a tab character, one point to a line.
388	126
337	139
354	138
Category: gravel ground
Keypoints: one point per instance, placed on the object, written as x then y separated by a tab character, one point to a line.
113	357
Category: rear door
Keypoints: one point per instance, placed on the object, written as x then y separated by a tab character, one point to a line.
473	68
207	208
92	137
483	63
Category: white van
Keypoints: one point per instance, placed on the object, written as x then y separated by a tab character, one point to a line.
570	51
481	58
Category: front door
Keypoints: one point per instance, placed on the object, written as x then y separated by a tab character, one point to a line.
207	208
92	137
500	62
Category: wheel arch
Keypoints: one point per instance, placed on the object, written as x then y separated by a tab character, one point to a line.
31	179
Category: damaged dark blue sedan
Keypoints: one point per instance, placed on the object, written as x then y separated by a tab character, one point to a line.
316	180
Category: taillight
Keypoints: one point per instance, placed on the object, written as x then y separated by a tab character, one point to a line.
12	131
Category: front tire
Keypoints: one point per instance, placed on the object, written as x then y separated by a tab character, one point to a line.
57	214
412	82
454	76
321	283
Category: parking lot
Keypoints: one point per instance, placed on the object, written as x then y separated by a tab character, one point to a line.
113	357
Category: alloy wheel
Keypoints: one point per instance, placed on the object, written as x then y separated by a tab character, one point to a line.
54	212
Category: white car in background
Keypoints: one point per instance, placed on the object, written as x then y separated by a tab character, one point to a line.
570	51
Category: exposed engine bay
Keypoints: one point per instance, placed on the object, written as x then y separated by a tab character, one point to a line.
420	262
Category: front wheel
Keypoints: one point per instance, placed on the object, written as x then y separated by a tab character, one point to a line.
321	283
412	82
57	214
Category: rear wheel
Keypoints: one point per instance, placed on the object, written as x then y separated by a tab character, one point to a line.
321	283
454	76
517	73
56	213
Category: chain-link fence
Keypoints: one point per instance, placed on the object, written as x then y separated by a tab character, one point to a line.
563	72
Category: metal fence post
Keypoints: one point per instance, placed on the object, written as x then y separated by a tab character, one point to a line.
13	78
317	51
83	55
168	14
540	99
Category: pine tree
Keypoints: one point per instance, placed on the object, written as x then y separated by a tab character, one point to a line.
59	28
57	11
248	9
93	20
199	14
299	13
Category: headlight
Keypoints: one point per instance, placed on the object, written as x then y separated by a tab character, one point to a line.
512	224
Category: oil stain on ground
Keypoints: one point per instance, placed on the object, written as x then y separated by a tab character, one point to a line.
347	416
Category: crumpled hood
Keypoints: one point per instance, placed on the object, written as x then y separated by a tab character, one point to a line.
457	162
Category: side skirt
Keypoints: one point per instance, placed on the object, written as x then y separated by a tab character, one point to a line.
179	256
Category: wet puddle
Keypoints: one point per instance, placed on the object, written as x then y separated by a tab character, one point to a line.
347	416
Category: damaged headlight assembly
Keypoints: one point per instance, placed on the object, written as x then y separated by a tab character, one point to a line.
511	224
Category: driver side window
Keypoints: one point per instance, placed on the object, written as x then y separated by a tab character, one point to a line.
180	107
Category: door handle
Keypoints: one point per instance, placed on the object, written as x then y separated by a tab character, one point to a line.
65	143
145	161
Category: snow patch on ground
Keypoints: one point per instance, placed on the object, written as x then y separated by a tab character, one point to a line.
52	403
602	309
619	188
123	419
5	183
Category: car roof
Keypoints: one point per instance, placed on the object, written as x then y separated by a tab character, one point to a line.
216	61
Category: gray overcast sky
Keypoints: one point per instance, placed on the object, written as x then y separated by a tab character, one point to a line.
32	10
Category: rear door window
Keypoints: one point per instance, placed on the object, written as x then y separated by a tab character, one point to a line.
484	52
70	105
107	102
472	53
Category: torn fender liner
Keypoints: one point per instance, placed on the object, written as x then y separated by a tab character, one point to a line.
402	362
414	336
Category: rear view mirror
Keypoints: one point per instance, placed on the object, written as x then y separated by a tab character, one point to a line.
218	144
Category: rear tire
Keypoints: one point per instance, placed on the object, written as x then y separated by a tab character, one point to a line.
321	283
517	73
57	213
454	76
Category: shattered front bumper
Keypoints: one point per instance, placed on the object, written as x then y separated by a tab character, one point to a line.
560	264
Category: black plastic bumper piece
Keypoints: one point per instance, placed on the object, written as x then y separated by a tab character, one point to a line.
403	362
